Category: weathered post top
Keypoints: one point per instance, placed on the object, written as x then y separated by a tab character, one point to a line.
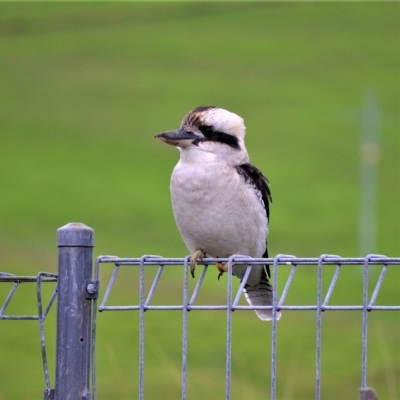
75	234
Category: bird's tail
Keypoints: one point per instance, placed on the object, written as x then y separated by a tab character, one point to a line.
261	295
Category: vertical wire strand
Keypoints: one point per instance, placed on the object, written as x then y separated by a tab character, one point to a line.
93	333
141	328
229	331
185	328
321	259
365	321
41	329
364	325
318	350
365	318
274	327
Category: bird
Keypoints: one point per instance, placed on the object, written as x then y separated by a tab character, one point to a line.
220	201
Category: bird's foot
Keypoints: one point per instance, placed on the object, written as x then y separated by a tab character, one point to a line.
193	260
221	268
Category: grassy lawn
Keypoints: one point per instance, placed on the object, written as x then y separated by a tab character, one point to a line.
84	88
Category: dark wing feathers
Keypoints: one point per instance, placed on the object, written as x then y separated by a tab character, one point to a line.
255	177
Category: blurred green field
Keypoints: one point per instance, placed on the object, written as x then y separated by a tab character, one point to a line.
84	88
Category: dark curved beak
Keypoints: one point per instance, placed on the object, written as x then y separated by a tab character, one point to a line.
175	136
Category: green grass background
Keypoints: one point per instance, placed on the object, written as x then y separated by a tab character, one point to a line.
84	87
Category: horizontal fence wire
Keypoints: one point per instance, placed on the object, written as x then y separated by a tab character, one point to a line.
43	309
322	303
41	277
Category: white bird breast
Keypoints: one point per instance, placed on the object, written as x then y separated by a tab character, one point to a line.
216	211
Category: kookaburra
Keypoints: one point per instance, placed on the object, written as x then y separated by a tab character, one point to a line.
221	201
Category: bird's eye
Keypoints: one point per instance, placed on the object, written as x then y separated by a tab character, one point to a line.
206	129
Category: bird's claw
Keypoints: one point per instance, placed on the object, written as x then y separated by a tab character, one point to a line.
193	260
221	268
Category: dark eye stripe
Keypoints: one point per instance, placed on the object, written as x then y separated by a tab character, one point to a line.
224	138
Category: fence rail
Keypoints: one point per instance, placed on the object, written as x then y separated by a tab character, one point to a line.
78	289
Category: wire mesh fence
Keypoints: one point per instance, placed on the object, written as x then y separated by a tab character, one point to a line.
77	287
189	302
43	309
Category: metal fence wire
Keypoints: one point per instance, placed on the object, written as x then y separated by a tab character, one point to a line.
39	279
78	306
232	303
